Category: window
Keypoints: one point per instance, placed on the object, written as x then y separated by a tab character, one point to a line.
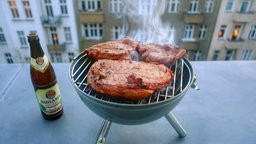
116	30
252	33
14	9
56	57
202	31
22	38
173	6
245	6
216	55
236	32
146	7
143	35
230	5
246	55
71	55
63	7
48	7
91	5
2	37
171	33
197	55
208	7
93	31
27	8
193	6
54	35
189	32
68	36
229	54
8	57
222	31
115	6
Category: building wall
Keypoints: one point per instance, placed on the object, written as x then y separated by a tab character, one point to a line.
178	19
11	26
245	20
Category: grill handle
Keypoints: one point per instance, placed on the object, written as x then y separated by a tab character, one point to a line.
193	85
104	131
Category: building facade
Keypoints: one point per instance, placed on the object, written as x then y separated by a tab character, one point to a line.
234	37
52	21
190	23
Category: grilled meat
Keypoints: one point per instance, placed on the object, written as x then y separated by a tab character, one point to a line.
162	54
128	79
114	50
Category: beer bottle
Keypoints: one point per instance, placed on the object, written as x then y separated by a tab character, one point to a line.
44	81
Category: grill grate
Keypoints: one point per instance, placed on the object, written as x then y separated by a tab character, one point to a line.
81	67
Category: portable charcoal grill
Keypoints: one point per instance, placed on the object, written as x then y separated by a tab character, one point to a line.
133	112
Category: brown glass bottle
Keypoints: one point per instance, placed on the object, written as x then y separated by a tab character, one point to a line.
44	81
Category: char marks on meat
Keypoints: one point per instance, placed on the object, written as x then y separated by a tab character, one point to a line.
160	53
128	79
115	50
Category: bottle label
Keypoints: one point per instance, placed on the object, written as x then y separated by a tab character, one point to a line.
49	100
40	63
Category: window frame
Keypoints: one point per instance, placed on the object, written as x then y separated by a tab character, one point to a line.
189	32
173	6
116	31
27	9
252	33
63	7
193	6
2	36
202	32
224	28
246	54
8	57
93	31
208	7
230	6
230	56
115	6
48	8
22	38
14	9
91	5
68	34
247	8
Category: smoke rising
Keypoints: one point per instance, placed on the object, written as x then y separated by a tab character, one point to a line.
142	21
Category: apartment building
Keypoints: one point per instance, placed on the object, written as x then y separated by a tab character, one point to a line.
189	22
52	21
234	37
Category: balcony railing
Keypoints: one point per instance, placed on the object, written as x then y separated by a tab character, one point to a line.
51	21
234	43
91	17
239	16
56	47
193	17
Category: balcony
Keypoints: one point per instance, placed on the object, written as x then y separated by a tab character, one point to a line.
57	47
234	44
196	18
244	17
91	17
190	45
51	21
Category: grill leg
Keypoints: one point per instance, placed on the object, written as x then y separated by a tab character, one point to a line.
104	131
176	125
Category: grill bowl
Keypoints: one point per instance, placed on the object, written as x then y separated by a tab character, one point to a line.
127	113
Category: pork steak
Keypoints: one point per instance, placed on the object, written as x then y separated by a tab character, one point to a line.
128	79
114	50
160	53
